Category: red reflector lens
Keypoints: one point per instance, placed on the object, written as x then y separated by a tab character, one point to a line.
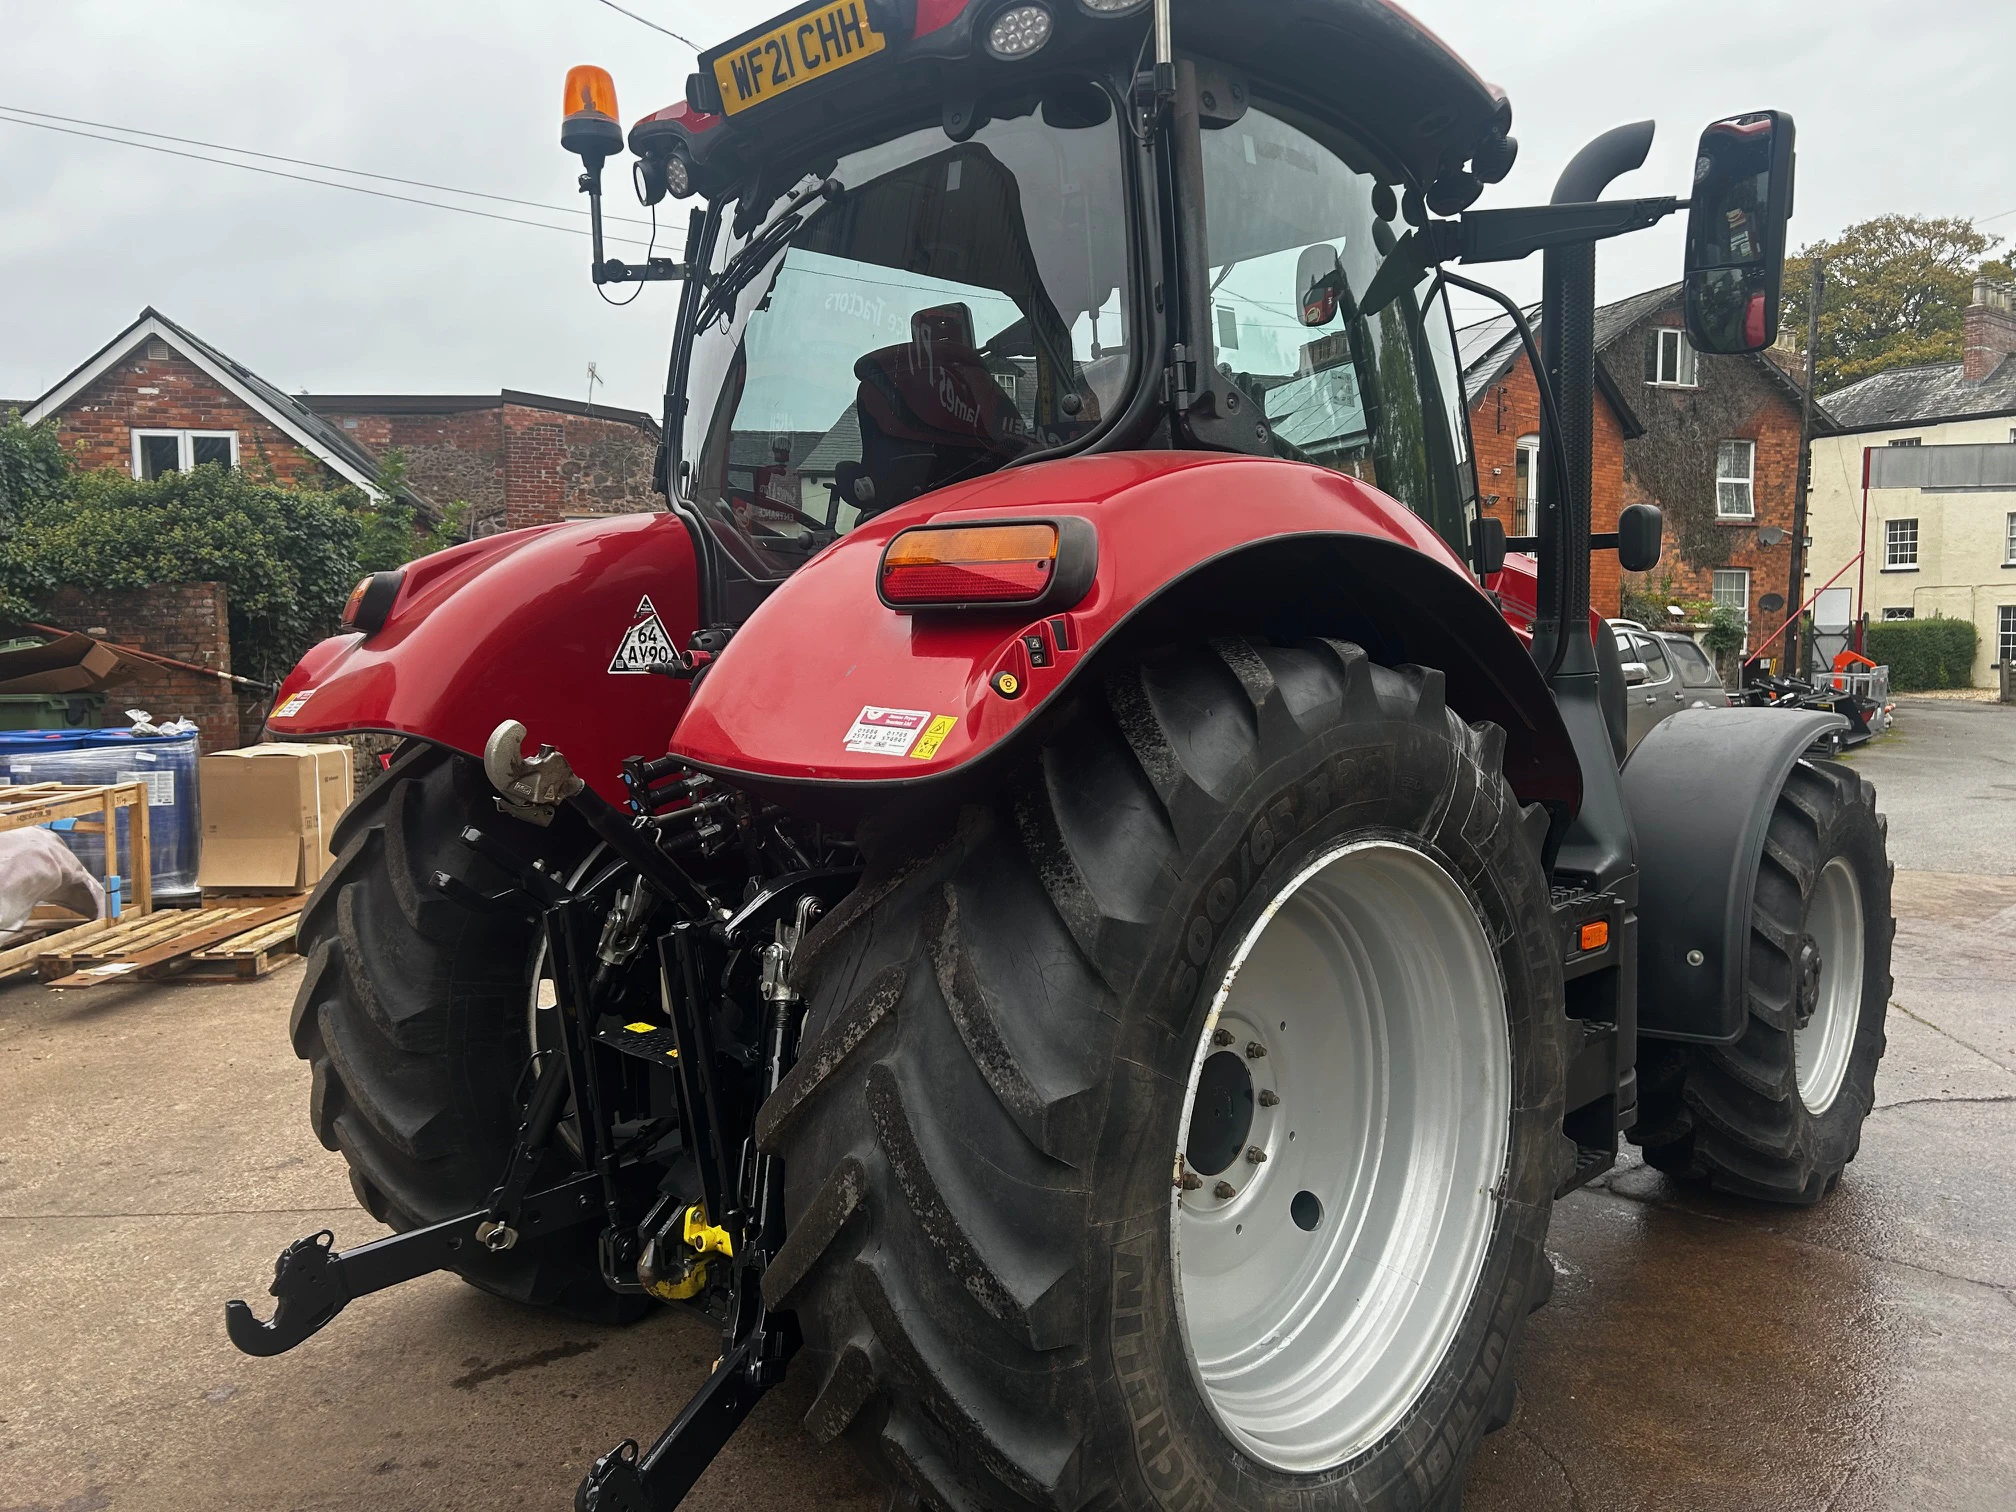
1006	564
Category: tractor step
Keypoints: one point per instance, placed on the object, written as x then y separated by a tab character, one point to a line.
647	1042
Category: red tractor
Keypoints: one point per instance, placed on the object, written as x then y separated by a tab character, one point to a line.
1068	889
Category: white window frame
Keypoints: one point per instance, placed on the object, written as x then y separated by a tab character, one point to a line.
1716	584
1891	616
1747	478
1685	366
2005	632
2009	540
1894	544
1526	506
185	447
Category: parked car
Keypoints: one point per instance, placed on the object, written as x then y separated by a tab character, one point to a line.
1663	674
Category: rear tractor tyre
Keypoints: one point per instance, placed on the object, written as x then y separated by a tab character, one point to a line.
415	1015
1180	1129
1778	1114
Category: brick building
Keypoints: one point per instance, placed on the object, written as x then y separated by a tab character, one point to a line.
516	459
1713	441
1505	429
157	398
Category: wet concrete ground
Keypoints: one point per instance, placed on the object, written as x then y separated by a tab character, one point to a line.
1700	1355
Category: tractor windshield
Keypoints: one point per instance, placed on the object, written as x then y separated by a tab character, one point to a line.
944	308
1295	237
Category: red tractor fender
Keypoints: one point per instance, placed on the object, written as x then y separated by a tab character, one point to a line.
551	626
830	702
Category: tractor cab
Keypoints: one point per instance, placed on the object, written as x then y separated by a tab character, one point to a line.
940	240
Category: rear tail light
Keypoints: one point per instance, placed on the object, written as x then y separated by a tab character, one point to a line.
370	602
1021	564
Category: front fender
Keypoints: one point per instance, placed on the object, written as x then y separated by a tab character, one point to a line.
523	626
1701	788
1190	544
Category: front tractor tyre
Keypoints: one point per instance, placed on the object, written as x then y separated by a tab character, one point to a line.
1180	1129
416	1015
1778	1114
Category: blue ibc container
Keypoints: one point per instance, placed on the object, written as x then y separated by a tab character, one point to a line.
166	763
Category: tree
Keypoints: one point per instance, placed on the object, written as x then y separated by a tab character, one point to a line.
287	557
1896	289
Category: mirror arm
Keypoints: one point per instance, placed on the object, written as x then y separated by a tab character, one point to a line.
1507	236
614	269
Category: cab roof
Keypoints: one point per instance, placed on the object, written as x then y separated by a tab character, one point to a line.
1364	65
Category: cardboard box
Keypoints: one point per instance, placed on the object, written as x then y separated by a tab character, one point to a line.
268	811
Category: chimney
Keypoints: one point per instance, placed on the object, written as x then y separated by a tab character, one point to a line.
1989	332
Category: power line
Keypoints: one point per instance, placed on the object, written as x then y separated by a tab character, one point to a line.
162	136
652	24
303	178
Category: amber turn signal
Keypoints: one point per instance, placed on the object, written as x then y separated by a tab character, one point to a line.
370	602
981	564
1012	564
1596	936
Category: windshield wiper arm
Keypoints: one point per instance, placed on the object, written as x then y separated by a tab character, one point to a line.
743	267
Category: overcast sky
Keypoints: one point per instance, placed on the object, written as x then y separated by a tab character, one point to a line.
1900	108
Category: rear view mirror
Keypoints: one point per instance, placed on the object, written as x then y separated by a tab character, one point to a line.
1636	673
1318	278
1487	541
1641	529
1736	232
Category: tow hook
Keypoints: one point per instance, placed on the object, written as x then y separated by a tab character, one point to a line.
532	787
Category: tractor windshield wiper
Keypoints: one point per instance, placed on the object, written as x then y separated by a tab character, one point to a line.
757	252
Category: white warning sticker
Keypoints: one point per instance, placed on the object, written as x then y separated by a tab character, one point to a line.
886	732
645	644
294	705
160	787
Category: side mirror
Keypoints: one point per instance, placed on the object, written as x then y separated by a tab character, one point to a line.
1487	545
1641	530
1636	673
1318	278
1736	232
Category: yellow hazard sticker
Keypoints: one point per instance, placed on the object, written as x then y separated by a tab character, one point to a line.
934	737
293	705
641	1028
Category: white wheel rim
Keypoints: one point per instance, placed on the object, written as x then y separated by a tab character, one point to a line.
1393	1079
1823	1046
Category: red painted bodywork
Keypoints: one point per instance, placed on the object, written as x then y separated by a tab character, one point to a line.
782	698
521	626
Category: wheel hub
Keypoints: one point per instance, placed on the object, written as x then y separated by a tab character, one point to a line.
1223	1114
1823	1040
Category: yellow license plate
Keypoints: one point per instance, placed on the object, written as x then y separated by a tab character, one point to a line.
810	46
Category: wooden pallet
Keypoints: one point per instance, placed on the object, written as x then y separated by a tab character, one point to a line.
233	943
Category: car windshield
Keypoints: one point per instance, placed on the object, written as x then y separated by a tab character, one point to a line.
1295	239
949	307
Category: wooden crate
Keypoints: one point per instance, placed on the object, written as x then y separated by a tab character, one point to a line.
96	809
240	942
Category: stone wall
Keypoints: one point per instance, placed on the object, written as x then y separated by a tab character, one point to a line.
188	621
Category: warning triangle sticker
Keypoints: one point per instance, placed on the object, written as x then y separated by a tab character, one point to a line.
645	644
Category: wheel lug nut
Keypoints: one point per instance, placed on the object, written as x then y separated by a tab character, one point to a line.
1255	1050
1221	1036
1255	1155
1189	1181
1269	1097
1224	1191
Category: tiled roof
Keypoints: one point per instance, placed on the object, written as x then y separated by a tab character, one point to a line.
325	441
1912	395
